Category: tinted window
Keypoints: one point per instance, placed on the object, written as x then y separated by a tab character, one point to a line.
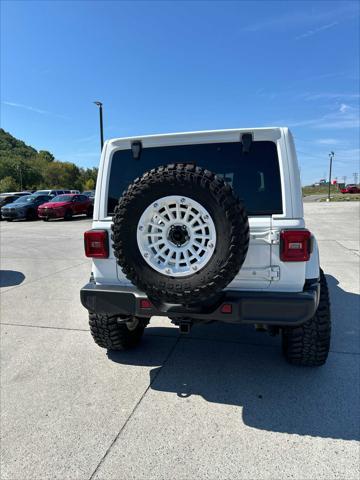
255	175
21	199
62	198
37	198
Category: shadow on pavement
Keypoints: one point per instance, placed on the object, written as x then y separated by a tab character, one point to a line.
10	278
233	370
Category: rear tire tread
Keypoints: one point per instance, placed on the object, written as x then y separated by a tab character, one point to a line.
109	334
308	344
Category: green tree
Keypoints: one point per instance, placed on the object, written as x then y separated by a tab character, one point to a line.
8	184
89	184
45	155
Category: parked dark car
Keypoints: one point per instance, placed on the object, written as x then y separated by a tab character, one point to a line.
66	206
24	207
6	198
90	194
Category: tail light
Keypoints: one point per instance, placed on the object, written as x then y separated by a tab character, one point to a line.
295	245
226	308
96	244
145	304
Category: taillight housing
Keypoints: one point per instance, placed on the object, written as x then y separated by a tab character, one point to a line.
295	245
96	243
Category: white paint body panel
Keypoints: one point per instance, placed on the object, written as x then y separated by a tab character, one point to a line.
262	269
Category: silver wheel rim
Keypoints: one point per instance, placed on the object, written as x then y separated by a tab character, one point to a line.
176	236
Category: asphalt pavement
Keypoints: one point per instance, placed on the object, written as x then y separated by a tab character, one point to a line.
220	403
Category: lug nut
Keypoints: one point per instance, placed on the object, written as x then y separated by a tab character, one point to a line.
155	205
210	245
182	200
205	217
168	270
146	255
141	228
194	267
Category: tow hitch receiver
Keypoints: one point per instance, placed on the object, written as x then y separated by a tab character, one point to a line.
184	324
185	327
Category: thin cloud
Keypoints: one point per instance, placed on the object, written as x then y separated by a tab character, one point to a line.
344	108
337	120
304	18
327	141
330	96
315	31
90	138
32	109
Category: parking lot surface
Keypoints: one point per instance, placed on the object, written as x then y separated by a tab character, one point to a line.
218	403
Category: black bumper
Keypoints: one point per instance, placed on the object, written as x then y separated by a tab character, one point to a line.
267	308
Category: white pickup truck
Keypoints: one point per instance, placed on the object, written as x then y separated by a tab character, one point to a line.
200	227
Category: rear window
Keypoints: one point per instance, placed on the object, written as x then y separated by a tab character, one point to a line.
255	175
62	198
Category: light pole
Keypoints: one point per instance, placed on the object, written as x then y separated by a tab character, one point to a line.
331	155
100	105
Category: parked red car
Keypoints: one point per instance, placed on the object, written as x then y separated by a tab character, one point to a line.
65	206
350	189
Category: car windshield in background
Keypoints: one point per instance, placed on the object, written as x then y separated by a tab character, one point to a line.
21	199
62	198
32	198
42	192
254	175
90	193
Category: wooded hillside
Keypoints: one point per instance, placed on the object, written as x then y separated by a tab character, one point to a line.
24	168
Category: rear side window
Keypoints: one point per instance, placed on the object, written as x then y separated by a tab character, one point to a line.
254	175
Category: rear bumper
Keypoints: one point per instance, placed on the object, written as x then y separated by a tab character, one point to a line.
267	308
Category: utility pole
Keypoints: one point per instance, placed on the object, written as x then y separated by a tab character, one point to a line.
355	177
344	179
100	105
331	156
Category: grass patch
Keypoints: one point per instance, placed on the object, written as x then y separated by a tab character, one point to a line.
309	190
343	197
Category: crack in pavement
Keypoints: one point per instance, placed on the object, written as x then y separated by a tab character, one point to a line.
134	409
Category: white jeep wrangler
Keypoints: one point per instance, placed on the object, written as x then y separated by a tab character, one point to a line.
201	227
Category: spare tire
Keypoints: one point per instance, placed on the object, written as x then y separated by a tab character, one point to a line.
180	234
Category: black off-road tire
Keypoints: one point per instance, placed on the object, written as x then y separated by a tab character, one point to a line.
308	344
109	334
226	210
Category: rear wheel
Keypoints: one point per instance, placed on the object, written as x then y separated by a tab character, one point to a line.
68	215
108	333
309	344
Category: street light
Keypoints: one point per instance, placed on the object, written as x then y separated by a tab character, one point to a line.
99	104
331	156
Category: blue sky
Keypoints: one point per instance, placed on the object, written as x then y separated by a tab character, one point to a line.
179	66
